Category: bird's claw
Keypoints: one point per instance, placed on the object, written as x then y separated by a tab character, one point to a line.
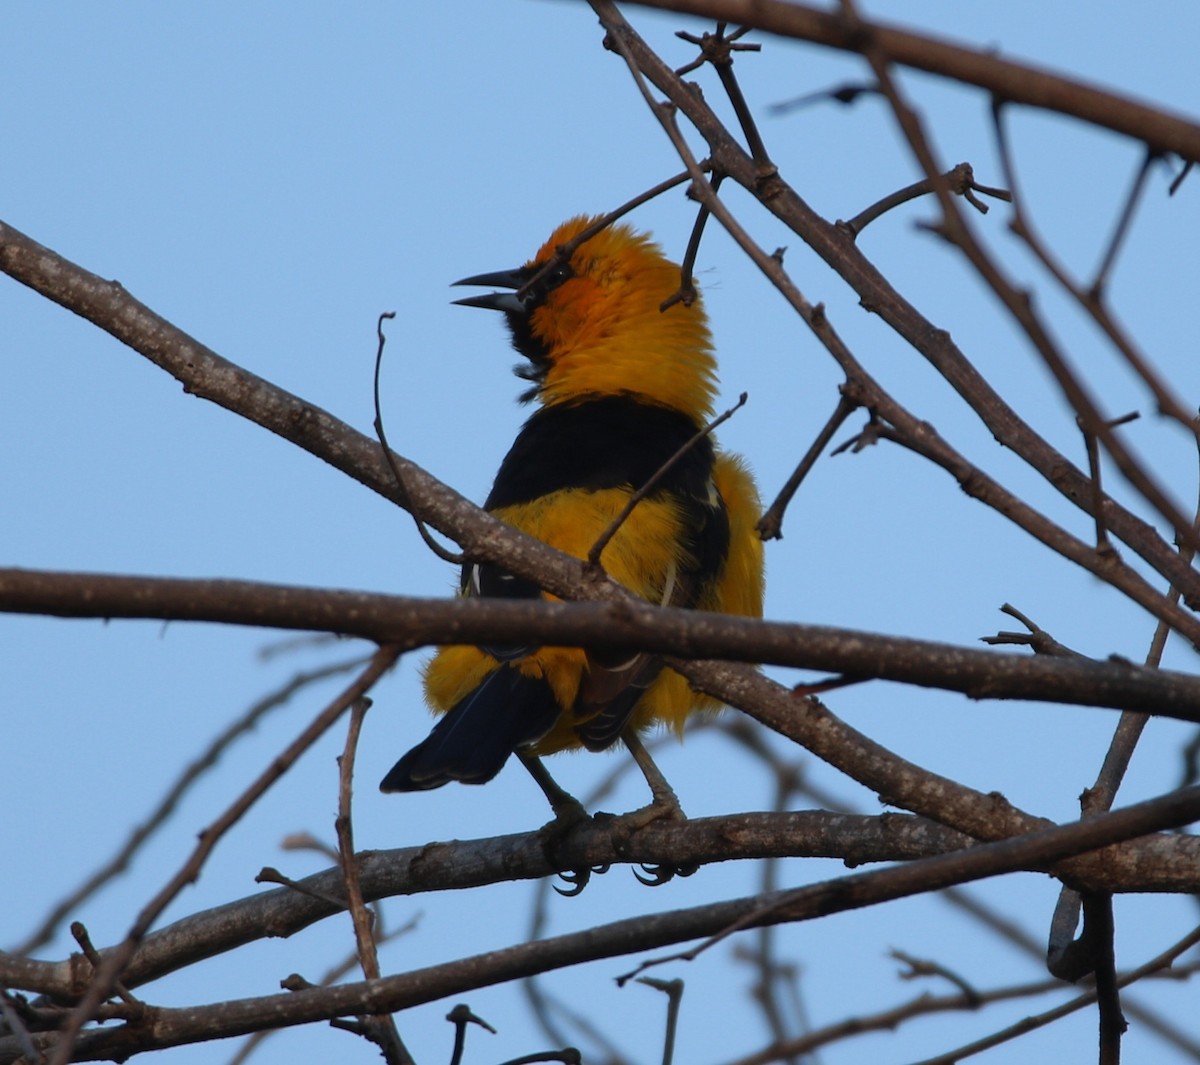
657	875
569	814
578	879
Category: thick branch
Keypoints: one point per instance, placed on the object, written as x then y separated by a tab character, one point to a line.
463	864
206	374
411	622
1159	863
173	1027
1004	78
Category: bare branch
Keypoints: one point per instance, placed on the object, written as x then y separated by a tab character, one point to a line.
166	806
876	293
106	977
172	1027
409	622
1030	1024
1003	78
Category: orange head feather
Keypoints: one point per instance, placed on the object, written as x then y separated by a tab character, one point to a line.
600	329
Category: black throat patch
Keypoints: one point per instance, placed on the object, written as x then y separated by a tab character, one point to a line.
607	442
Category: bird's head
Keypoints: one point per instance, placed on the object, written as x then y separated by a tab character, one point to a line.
592	325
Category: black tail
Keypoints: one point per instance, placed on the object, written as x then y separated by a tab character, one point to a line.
473	740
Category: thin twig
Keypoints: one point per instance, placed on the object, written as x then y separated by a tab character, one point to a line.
401	485
268	874
959	179
170	801
1022	226
846	93
1098	910
916	968
1179	178
673	989
771	972
563	252
614	526
379	1028
106	977
80	934
770	525
1029	1024
686	294
1100	282
461	1016
1093	454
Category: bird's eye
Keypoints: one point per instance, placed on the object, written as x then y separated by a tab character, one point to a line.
546	282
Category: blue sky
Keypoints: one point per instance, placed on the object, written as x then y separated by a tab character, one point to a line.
271	181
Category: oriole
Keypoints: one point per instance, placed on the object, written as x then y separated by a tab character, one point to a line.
622	385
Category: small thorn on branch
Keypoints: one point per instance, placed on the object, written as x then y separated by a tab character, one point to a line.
1179	178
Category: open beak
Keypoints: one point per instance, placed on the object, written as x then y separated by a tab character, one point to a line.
496	301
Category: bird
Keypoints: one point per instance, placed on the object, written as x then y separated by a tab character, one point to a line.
621	385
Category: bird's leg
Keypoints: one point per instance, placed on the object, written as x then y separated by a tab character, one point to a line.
665	802
665	806
568	810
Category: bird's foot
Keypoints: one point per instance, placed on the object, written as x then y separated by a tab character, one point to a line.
665	807
569	814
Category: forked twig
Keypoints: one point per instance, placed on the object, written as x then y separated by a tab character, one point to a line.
960	180
1022	226
717	49
1036	639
